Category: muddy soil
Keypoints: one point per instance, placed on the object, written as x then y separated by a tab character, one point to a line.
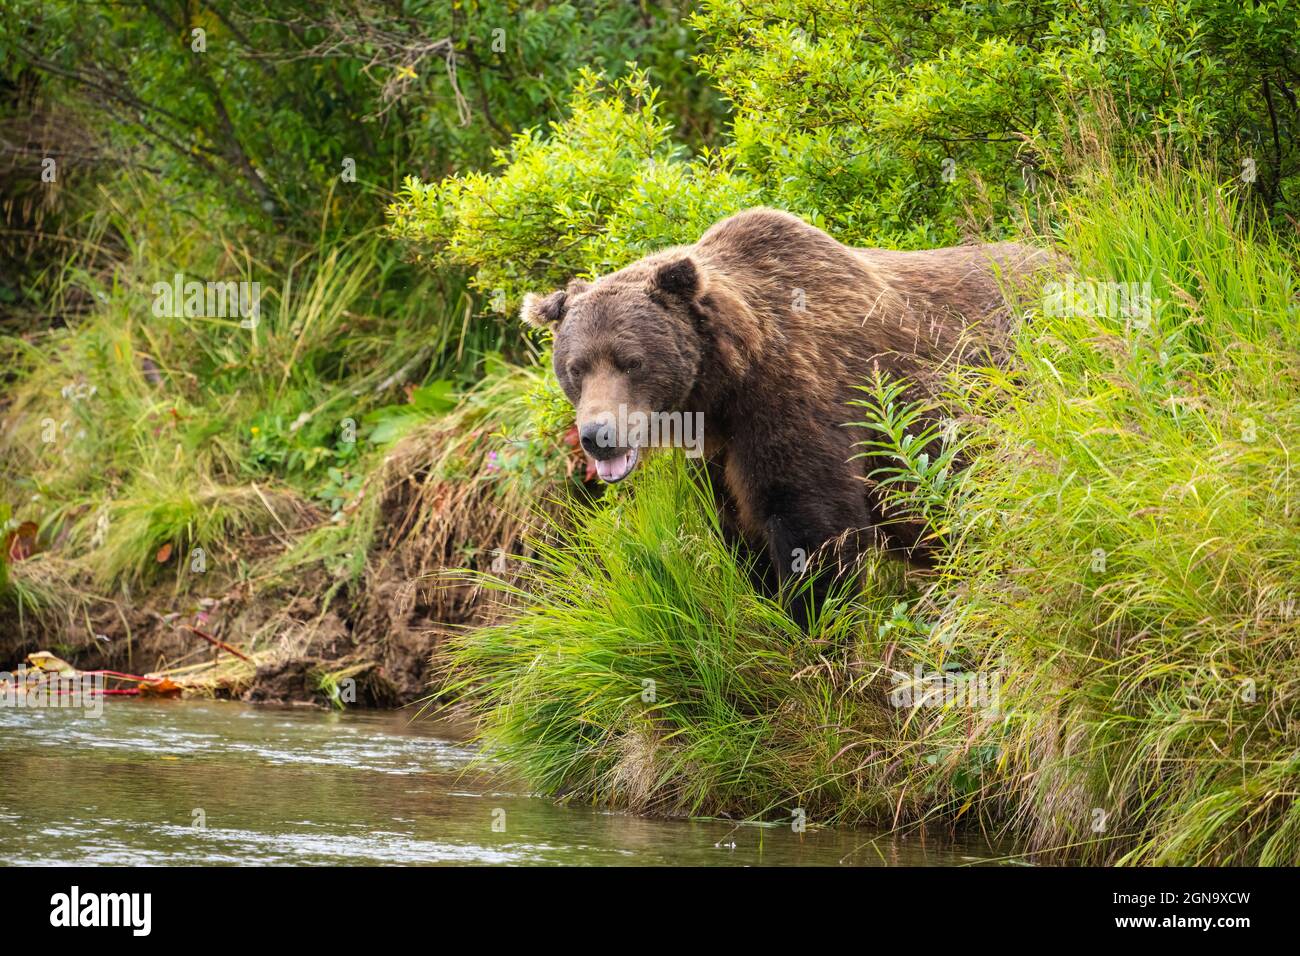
385	639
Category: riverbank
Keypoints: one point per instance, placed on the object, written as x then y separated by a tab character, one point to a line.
346	585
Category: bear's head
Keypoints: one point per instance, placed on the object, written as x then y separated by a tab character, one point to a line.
630	350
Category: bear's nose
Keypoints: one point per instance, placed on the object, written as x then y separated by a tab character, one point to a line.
598	440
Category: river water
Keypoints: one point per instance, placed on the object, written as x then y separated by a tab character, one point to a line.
217	782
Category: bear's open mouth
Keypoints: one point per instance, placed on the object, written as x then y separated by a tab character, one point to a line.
617	468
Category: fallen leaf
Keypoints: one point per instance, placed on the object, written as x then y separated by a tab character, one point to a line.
164	553
160	688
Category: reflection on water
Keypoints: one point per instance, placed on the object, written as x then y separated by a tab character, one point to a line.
214	782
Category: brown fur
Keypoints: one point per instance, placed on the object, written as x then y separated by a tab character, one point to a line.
716	327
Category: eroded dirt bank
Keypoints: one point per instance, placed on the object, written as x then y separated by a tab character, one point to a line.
313	635
383	641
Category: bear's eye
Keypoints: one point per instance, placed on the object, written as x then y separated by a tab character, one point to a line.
577	369
631	365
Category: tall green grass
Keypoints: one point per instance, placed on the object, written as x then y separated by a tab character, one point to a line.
646	671
1129	544
127	430
1121	556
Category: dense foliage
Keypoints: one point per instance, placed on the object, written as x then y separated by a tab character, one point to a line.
264	103
921	123
888	123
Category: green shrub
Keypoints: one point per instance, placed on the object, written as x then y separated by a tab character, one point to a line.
887	124
601	189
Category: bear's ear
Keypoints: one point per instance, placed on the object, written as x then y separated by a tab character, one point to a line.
679	277
548	311
543	312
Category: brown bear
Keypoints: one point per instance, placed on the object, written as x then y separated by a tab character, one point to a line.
763	330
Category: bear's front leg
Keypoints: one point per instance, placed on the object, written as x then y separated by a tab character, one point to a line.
819	531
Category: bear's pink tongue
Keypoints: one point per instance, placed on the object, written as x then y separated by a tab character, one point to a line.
617	468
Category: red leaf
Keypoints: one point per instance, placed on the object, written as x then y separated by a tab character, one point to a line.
164	553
